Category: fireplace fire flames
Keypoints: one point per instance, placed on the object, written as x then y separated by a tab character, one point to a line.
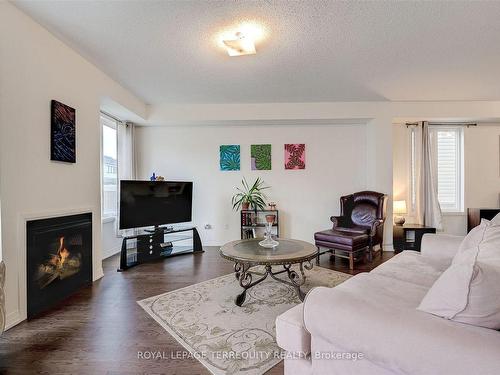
61	265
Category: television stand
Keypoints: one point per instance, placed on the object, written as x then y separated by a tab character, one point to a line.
161	243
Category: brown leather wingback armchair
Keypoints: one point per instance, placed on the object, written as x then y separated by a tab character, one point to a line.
358	229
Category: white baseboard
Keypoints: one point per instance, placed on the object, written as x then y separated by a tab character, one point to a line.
211	243
111	252
97	275
13	319
388	247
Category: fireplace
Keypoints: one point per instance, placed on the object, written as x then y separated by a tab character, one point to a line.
59	259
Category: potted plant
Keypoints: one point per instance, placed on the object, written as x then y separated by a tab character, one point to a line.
250	195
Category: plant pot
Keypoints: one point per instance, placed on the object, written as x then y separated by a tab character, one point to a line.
245	206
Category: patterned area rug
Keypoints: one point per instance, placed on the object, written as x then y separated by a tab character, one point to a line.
225	338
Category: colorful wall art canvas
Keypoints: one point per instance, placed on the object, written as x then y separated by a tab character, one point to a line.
295	156
230	157
63	133
261	157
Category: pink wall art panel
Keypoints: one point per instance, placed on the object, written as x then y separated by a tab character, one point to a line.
295	156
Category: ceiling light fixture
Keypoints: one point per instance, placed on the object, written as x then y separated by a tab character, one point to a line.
239	46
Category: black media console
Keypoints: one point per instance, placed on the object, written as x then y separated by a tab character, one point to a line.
160	243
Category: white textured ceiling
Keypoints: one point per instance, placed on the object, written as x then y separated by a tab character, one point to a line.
315	50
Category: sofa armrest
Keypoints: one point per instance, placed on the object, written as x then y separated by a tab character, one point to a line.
290	332
338	221
375	225
440	246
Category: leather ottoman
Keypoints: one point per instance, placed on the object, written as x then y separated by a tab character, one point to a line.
352	245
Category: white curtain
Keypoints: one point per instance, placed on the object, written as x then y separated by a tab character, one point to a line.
427	204
126	161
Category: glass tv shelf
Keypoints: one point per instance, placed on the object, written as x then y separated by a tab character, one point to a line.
158	244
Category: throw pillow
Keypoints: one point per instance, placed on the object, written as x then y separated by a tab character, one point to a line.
486	237
472	240
466	292
496	219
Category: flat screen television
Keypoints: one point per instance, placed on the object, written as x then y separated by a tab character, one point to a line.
154	203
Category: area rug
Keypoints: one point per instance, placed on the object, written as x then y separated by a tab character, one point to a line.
225	338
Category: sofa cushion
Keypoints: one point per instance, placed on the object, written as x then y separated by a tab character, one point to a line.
412	267
440	246
377	316
290	332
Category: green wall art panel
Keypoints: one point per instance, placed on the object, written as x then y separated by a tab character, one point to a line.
230	157
261	157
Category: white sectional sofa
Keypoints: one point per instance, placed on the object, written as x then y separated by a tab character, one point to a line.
370	325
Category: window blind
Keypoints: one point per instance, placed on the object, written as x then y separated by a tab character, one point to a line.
449	150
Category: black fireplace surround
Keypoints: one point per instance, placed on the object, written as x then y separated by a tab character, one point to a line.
59	259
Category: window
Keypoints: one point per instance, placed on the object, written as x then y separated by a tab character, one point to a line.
109	167
448	148
449	144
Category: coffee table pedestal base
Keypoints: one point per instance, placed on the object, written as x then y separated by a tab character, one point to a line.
295	279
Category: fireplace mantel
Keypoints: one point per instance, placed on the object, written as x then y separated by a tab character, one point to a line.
18	313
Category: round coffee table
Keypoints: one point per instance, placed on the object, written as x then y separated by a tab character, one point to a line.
248	253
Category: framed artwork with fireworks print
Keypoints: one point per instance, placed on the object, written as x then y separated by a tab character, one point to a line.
62	132
295	156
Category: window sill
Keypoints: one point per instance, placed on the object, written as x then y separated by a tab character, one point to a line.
108	219
453	213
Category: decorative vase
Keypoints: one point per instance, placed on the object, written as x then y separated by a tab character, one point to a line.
270	219
268	241
399	220
245	206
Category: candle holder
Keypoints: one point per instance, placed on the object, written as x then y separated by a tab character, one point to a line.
268	241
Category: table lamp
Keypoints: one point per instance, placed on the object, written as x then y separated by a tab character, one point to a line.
399	207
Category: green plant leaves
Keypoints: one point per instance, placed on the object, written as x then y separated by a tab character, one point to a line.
253	195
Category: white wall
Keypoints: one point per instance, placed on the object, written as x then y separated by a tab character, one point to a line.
111	243
379	117
401	163
335	166
481	171
35	67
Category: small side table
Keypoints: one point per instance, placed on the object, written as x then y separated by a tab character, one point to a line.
409	236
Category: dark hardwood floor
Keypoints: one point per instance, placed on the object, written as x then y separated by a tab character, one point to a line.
101	329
